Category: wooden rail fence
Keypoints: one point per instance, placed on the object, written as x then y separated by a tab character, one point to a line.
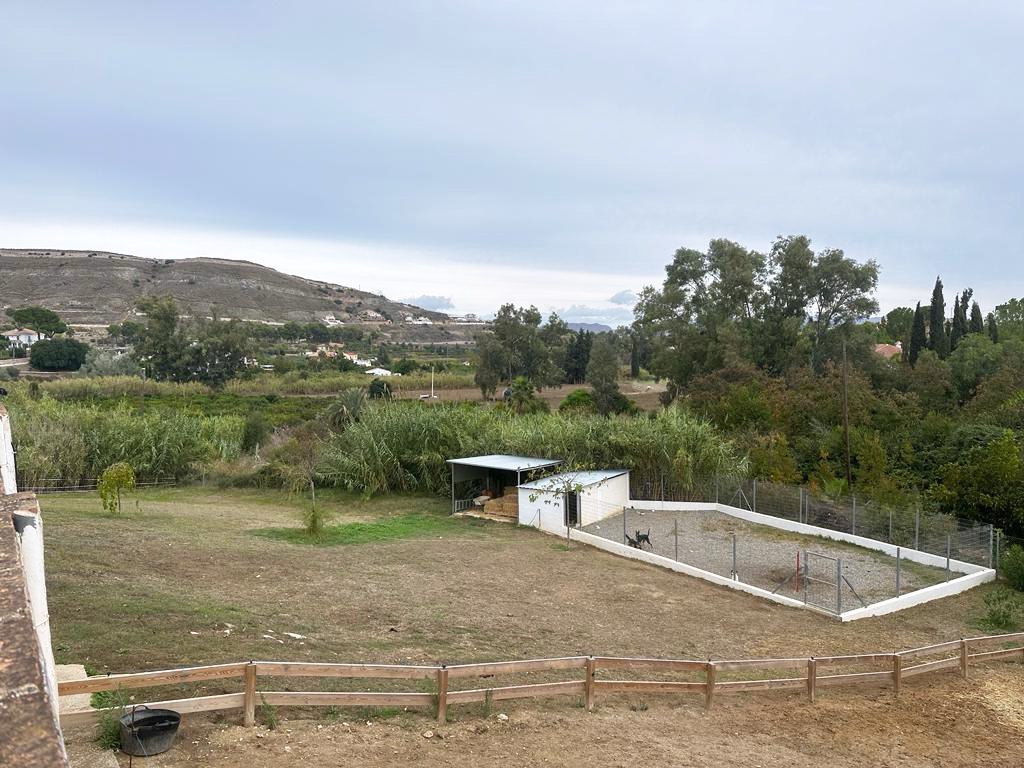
714	678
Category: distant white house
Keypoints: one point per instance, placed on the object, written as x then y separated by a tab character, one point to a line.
331	321
420	320
381	372
22	337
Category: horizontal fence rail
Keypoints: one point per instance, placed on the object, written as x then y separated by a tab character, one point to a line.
707	678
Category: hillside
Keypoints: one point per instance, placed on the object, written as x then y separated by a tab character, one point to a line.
95	287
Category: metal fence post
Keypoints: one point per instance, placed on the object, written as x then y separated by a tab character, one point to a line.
890	525
917	527
853	526
624	539
753	502
716	488
949	546
675	530
839	586
897	571
735	573
995	565
991	543
800	505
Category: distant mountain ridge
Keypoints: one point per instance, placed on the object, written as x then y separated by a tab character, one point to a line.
97	287
592	327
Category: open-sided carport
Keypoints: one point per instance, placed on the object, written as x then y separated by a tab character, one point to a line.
474	474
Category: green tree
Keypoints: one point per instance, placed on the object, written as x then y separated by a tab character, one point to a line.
938	341
577	356
987	484
490	365
842	293
58	355
603	375
161	346
975	358
116	479
1010	318
45	321
977	323
522	397
992	327
898	325
958	326
918	336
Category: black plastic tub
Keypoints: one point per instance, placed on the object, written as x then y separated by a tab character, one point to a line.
146	731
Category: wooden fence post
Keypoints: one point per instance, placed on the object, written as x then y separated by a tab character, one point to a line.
812	678
442	695
588	685
709	690
963	658
897	673
250	694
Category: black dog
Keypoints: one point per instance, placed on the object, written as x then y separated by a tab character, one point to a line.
644	538
631	541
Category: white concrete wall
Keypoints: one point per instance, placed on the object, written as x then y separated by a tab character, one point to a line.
8	477
604	499
546	509
542	509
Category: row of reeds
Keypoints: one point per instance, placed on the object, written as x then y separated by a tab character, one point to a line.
404	446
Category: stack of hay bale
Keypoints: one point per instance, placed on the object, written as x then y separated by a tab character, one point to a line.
506	505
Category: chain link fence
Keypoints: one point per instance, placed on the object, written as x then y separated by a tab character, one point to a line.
934	532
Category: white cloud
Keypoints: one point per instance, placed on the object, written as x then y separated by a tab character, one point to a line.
437	303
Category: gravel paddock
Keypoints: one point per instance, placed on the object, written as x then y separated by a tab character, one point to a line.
766	557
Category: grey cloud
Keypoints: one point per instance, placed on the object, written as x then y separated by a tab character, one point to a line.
626	297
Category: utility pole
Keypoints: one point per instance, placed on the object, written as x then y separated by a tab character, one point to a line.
846	422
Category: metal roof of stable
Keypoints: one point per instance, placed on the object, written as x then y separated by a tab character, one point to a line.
580	479
505	462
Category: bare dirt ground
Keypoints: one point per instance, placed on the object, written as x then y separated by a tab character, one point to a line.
185	581
941	723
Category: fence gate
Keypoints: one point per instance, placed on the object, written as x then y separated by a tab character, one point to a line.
821	581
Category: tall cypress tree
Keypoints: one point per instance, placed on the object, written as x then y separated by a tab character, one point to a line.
993	330
958	327
977	324
918	336
938	341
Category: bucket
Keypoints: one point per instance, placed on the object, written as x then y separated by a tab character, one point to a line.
146	731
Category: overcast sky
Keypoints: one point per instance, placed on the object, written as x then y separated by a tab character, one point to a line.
553	153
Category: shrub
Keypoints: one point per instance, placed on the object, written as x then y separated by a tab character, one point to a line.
1001	606
1011	565
58	355
578	401
255	431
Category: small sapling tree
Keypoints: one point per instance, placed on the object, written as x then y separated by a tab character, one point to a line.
115	479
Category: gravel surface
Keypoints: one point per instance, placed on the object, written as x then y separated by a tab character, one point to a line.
766	556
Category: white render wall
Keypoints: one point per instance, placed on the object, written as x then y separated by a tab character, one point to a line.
8	479
546	509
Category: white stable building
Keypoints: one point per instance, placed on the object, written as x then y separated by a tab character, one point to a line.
573	499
